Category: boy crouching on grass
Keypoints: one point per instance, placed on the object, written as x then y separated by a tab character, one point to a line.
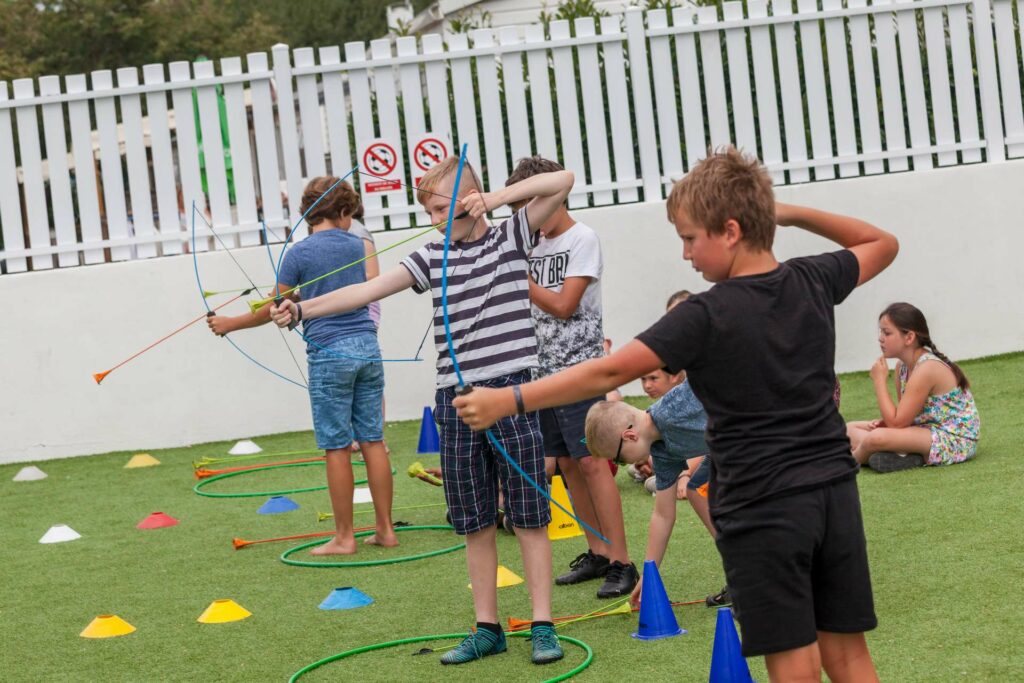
489	311
759	348
672	432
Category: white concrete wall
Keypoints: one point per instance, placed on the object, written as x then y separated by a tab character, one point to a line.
960	230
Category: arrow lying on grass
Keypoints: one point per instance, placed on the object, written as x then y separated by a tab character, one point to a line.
204	461
241	543
203	473
521	624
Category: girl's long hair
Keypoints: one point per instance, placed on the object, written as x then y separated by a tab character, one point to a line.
908	318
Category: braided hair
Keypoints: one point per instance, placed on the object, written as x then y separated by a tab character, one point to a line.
908	318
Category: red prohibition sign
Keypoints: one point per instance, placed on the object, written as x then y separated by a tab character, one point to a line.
429	152
379	159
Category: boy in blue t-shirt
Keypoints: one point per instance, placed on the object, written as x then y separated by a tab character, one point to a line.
759	349
346	377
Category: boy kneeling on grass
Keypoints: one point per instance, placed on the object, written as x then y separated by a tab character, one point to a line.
758	348
489	311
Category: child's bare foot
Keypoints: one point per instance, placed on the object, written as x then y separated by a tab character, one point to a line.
336	546
388	540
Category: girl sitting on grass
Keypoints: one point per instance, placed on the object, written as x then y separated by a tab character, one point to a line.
935	420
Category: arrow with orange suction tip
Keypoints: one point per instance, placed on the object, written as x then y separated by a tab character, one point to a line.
203	473
620	606
520	624
416	471
100	376
240	543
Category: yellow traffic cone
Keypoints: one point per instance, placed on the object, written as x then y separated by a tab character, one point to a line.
141	460
107	626
506	578
222	611
562	525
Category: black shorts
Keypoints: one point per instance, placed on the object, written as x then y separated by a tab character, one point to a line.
563	429
797	565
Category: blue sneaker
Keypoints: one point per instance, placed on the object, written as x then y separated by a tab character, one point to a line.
477	645
545	645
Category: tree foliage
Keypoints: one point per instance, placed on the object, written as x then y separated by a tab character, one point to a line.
79	36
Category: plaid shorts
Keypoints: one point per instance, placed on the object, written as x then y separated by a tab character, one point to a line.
472	469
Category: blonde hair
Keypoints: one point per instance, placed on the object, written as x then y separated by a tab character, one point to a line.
606	420
433	178
728	185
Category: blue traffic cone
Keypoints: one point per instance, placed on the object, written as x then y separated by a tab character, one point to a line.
727	663
346	598
657	620
429	441
277	504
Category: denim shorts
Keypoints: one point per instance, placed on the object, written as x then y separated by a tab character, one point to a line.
347	395
563	429
669	465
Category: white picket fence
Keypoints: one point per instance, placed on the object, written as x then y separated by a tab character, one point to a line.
837	89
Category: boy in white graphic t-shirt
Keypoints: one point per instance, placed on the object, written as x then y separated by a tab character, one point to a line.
565	297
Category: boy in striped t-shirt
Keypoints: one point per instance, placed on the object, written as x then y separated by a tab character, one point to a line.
489	315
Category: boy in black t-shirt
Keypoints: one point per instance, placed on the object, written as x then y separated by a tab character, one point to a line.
759	348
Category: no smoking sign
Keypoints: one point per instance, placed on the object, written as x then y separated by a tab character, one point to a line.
427	152
381	160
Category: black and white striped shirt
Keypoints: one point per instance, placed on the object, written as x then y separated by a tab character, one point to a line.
488	301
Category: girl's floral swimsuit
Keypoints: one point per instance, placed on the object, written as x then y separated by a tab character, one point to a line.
953	420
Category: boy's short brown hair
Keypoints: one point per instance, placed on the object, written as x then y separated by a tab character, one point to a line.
528	167
342	201
606	420
678	298
433	178
728	185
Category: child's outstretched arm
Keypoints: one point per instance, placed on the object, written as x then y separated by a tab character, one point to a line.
663	518
483	407
221	325
874	248
545	192
345	299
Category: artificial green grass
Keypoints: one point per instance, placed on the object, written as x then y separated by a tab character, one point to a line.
945	545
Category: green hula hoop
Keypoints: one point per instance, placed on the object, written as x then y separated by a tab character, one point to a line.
371	563
198	488
406	641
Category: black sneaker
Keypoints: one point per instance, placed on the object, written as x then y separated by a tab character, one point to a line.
506	524
620	580
722	599
585	567
884	462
